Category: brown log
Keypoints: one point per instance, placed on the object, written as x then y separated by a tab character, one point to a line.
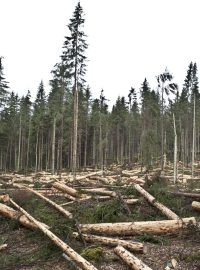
2	247
64	212
9	212
196	205
4	198
64	188
134	228
185	194
166	211
134	246
79	260
132	261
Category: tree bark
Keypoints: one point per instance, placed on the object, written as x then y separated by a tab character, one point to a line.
134	246
175	151
53	146
80	261
132	261
193	139
166	211
134	228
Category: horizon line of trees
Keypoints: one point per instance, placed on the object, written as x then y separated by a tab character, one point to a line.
68	129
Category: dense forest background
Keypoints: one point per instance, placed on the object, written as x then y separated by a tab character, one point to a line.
69	129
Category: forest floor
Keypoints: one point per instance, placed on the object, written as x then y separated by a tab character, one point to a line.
31	250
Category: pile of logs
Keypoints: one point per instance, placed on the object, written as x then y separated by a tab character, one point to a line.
61	186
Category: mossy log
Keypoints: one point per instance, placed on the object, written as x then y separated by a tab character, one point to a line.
132	261
165	211
135	228
196	205
79	260
9	212
134	246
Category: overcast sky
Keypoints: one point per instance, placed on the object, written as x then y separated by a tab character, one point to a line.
128	41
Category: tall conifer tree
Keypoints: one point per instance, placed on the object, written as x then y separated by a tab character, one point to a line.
74	60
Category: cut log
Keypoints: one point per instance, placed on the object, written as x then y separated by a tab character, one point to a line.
132	261
67	196
71	261
2	247
131	201
134	228
185	194
88	175
101	191
64	212
166	211
134	246
4	198
196	205
66	189
9	212
79	260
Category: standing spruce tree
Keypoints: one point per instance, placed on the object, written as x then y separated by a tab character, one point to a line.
74	60
3	85
162	80
38	125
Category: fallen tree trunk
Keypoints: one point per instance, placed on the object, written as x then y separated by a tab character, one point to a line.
79	260
64	188
134	246
55	205
132	228
131	201
166	211
2	247
9	212
4	198
132	261
101	191
196	205
185	194
88	175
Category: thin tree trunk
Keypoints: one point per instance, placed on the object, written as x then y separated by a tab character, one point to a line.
28	144
175	151
53	146
19	142
36	151
162	131
100	143
94	148
193	140
75	129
